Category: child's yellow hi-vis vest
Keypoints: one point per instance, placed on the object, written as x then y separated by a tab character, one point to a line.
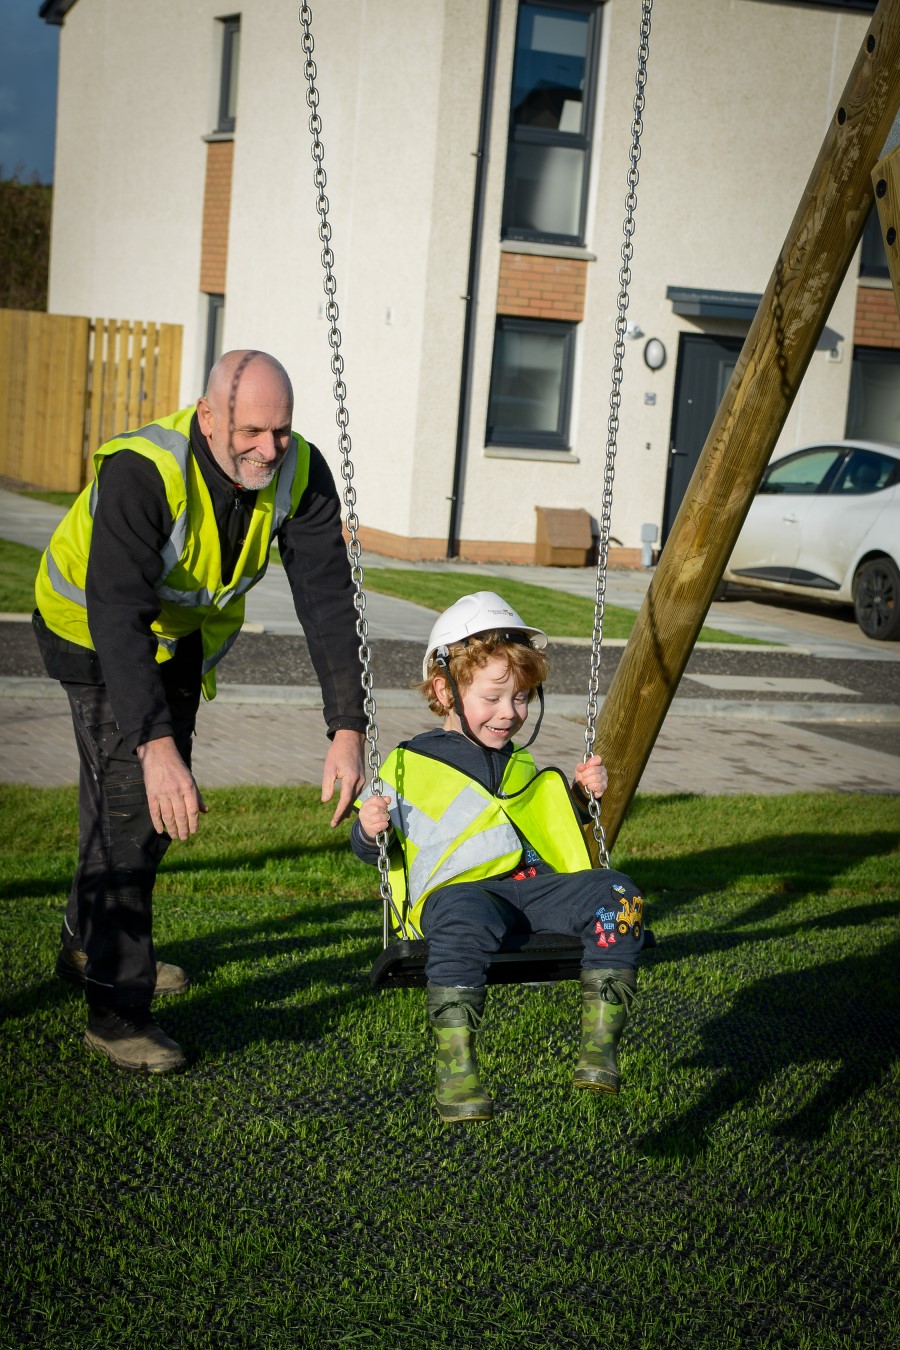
450	829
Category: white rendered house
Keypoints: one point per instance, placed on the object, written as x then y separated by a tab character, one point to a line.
476	153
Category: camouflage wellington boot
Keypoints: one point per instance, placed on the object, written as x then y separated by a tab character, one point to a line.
455	1015
606	996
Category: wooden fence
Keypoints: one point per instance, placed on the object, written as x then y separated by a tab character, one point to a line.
67	384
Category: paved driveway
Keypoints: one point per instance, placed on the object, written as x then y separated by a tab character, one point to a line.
820	713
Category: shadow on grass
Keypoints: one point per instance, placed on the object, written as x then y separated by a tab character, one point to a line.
35	888
257	860
315	946
790	866
277	961
224	1021
705	942
845	1013
295	984
179	864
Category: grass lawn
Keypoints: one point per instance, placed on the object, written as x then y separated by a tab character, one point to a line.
18	569
557	613
295	1187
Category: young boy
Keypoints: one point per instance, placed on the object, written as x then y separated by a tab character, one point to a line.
481	846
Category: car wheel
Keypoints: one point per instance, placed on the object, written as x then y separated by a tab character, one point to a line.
721	591
876	599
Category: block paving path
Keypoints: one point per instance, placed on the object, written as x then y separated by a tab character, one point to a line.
275	735
819	712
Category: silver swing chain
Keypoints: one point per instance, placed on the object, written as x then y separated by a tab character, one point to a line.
354	550
349	495
615	399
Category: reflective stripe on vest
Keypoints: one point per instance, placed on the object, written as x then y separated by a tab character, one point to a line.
178	446
61	585
433	839
211	661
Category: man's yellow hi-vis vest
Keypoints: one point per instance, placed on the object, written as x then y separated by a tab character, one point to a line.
192	591
450	829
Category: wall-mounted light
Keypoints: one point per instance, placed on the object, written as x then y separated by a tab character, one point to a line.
654	354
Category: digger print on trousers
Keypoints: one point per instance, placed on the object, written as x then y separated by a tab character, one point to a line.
630	918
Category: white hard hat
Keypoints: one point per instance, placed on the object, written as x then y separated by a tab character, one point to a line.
483	612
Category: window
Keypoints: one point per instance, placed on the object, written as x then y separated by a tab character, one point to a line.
832	469
550	119
873	259
873	409
531	384
231	46
215	323
867	471
803	474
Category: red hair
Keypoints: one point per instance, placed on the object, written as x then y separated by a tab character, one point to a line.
526	663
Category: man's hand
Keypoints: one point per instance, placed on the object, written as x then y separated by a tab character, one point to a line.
344	762
172	794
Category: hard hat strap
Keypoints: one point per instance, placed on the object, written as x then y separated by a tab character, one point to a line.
441	658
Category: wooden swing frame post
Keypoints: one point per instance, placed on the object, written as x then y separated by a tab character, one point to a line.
886	182
809	271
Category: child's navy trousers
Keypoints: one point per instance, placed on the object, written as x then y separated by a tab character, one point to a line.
465	923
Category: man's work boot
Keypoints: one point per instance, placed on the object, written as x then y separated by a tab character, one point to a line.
606	996
72	963
455	1015
132	1040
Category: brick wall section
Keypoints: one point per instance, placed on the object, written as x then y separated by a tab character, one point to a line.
535	287
216	212
877	321
423	549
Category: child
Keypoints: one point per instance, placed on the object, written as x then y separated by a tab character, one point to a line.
481	846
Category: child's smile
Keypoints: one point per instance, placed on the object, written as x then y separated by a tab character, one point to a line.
494	708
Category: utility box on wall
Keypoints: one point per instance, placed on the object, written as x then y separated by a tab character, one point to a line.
565	538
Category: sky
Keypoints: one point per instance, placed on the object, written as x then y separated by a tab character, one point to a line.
28	59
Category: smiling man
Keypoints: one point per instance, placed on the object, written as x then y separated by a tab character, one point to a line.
139	595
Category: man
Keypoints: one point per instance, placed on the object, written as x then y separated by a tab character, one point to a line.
139	595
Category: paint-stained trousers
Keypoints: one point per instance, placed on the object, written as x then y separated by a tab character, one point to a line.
109	914
464	924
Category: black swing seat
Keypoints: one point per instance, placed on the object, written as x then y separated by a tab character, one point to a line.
530	958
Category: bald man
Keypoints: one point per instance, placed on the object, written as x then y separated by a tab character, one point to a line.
139	595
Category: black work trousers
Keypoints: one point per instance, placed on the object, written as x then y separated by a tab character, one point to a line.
109	915
467	922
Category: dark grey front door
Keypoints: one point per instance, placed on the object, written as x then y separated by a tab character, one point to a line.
704	369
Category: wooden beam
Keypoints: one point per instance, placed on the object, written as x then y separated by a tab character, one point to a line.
805	281
886	183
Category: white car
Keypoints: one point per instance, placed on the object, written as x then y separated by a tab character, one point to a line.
825	523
